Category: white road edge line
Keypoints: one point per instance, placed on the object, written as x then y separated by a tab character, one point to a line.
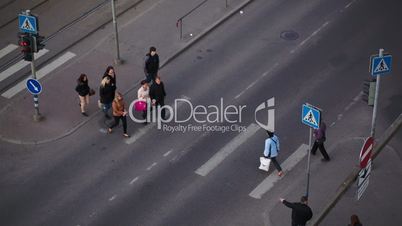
112	198
227	150
289	163
151	166
8	49
20	65
134	180
167	153
40	74
309	37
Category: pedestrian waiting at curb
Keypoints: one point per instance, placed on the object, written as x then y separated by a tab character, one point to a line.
143	95
157	94
320	137
354	221
83	91
151	65
106	93
119	113
301	212
111	73
272	149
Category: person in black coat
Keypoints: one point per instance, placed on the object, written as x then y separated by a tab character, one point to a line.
110	72
82	89
151	64
301	212
106	93
157	94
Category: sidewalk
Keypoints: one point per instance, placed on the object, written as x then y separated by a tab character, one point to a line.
154	25
377	205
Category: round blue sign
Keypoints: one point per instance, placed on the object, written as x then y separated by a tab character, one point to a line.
34	86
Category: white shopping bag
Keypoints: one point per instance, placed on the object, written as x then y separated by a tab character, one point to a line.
264	163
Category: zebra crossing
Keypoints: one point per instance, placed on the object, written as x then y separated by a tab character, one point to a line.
42	72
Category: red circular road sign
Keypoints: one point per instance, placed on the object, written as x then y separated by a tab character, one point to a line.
365	152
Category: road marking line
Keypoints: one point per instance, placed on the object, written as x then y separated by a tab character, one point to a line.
350	3
309	37
227	150
20	65
167	153
134	180
8	49
40	74
144	130
289	163
112	198
151	166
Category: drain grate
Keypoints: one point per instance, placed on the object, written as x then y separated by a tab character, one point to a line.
289	35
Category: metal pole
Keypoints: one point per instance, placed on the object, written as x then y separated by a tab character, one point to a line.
181	29
37	116
377	92
308	161
116	34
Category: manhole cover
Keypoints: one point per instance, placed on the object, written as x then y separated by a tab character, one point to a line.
289	35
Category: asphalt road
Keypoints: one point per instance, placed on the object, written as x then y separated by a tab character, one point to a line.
92	178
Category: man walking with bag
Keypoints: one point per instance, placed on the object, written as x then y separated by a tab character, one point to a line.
271	150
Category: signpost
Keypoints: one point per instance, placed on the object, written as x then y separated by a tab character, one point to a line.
311	116
29	26
365	166
379	65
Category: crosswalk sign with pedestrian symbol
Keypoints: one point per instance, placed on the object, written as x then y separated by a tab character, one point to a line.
27	24
380	65
311	116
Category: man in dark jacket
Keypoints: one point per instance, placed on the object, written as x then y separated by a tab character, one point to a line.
151	65
157	94
320	137
301	212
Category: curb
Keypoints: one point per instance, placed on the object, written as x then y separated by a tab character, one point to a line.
163	64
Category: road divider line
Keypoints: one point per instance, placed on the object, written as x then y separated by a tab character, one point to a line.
20	65
289	163
40	74
112	198
227	150
134	180
167	153
8	49
151	166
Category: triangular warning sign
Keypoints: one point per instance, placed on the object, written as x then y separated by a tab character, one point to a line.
26	25
309	117
381	67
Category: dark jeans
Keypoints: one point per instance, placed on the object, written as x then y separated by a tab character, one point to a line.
320	145
117	120
150	77
276	164
106	107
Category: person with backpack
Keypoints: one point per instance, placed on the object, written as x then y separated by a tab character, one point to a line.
272	149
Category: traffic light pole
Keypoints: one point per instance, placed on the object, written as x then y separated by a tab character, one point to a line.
116	34
37	116
308	161
377	92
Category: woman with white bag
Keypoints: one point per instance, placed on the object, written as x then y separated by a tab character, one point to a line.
270	152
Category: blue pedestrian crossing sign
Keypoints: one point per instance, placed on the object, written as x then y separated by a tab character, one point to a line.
34	86
27	24
381	65
311	116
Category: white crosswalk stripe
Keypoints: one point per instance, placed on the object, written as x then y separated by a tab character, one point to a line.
227	150
40	74
289	163
20	65
8	49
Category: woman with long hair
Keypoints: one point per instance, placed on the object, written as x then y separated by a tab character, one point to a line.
83	89
106	93
119	113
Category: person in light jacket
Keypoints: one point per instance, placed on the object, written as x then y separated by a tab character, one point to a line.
119	113
143	95
272	149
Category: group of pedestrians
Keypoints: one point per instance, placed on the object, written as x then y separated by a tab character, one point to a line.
151	90
301	212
